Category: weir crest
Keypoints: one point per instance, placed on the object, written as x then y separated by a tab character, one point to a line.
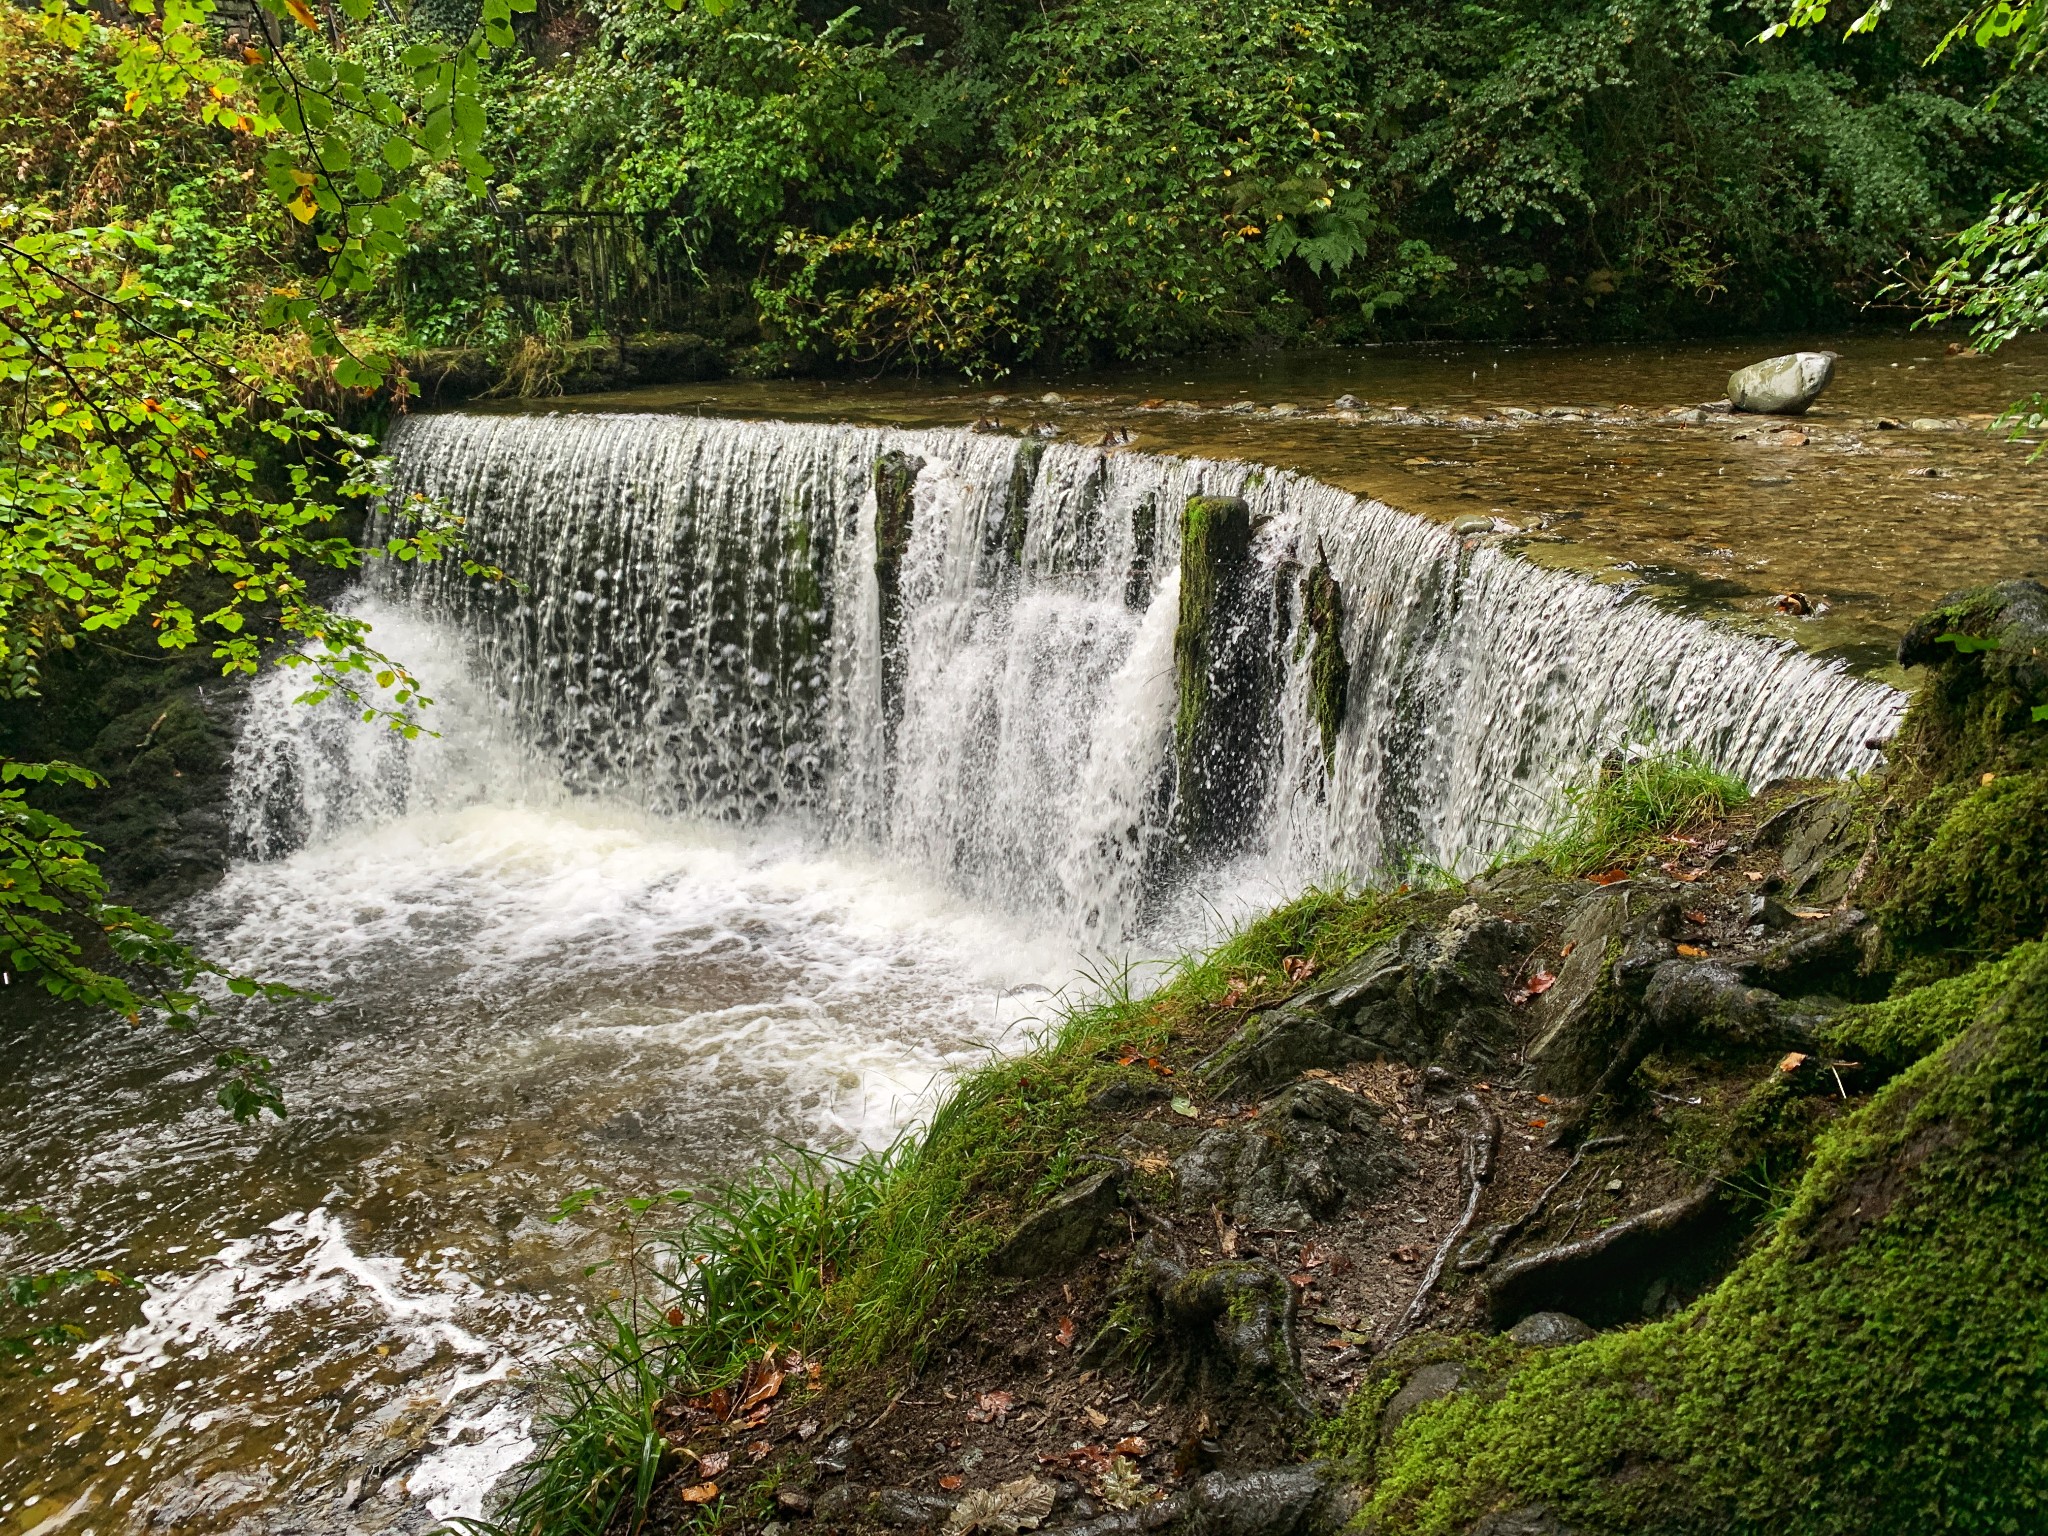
974	653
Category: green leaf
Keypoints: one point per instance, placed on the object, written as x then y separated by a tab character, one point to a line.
397	153
1966	645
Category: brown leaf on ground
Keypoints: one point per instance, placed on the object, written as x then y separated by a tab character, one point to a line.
951	1481
1538	984
1297	968
714	1405
1130	1445
1408	1254
1695	917
1065	1334
1302	1279
1692	952
759	1450
992	1408
710	1466
699	1493
1612	876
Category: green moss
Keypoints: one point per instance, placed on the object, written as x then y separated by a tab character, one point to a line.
1329	676
1016	520
1963	877
1144	549
1879	1366
895	481
1216	540
1897	1032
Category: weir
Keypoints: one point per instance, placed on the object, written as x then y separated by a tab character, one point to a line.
987	657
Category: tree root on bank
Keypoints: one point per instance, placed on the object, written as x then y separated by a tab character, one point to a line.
1536	1282
1480	1144
1499	1237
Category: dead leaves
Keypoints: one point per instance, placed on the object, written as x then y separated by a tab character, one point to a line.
1064	1335
1297	968
1692	951
992	1408
1612	876
1021	1505
1130	1057
699	1493
1537	985
710	1466
751	1399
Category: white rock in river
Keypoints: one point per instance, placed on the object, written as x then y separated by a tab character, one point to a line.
1781	386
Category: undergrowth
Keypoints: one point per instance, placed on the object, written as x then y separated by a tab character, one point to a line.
1635	801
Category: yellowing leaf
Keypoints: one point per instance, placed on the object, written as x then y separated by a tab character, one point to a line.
302	207
302	13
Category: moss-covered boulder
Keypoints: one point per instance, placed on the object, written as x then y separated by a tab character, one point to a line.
1880	1365
1960	877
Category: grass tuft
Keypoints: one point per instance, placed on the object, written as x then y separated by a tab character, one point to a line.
1631	805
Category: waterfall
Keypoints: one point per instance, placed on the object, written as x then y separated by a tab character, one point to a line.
960	650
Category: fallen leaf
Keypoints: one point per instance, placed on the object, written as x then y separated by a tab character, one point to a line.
1752	874
807	1429
1612	876
1096	1417
710	1466
1544	1098
1302	1279
1130	1445
951	1481
1183	1105
1234	994
1566	952
1537	1125
992	1408
1407	1253
1811	914
1065	1336
758	1450
1684	876
1541	983
1695	917
1793	1061
716	1404
1692	952
699	1493
1314	1255
1298	968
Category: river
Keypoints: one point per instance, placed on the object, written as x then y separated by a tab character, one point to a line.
720	848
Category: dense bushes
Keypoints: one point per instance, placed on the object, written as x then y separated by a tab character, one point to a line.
987	184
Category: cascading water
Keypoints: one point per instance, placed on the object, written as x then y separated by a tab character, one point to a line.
772	796
960	649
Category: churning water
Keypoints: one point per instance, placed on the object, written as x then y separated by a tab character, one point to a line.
753	815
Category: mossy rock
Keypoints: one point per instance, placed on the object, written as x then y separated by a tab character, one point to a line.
1879	1366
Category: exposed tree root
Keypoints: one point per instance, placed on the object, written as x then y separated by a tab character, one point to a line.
1480	1144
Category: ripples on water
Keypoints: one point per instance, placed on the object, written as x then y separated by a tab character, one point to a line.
532	996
